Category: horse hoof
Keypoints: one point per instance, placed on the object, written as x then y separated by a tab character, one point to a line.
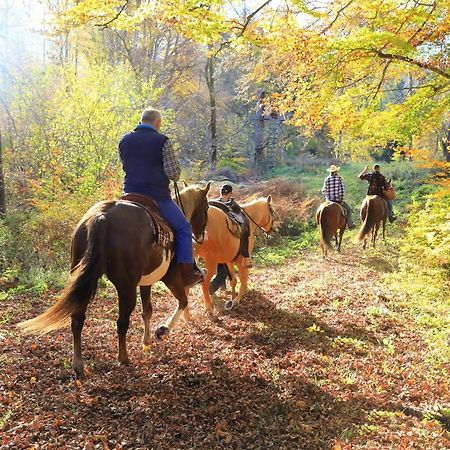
229	305
79	375
161	332
125	362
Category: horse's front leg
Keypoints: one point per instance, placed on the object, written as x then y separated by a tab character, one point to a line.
211	268
147	310
127	303
178	290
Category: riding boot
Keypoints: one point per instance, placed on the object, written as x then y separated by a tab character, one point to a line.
391	214
191	274
244	244
348	210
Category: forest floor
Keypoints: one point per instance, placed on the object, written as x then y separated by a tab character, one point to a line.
319	355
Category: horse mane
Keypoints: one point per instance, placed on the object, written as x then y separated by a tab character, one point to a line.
253	202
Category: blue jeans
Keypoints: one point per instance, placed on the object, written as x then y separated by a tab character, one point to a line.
182	229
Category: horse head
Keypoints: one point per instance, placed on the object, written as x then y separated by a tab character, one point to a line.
194	200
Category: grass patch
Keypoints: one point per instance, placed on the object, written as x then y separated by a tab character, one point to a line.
285	248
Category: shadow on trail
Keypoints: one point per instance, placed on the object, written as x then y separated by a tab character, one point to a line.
181	408
278	330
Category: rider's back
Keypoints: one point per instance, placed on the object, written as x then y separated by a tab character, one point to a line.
141	152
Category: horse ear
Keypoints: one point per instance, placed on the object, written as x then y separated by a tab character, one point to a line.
207	188
269	199
185	184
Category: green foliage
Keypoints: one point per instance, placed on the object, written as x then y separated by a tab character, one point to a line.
63	158
424	266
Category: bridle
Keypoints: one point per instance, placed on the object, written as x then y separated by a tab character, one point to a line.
263	228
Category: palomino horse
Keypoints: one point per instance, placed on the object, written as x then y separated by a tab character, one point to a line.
330	219
115	238
222	246
374	212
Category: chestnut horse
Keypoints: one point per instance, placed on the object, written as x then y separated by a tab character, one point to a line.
330	219
115	238
222	246
374	212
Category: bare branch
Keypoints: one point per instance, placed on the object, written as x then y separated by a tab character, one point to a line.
243	27
105	25
338	13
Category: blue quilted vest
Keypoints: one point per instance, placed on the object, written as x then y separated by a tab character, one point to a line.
142	161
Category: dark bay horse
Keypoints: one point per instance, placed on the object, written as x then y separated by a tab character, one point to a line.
374	212
115	238
330	219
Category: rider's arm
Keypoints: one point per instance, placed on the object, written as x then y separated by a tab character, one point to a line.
364	175
170	162
342	189
325	187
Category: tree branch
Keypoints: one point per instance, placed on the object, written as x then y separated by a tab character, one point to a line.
414	62
243	27
338	13
105	25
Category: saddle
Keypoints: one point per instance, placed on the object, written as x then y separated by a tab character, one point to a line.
235	227
163	233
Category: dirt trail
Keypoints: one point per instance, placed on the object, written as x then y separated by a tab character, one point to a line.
312	359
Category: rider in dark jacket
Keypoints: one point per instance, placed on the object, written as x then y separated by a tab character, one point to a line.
377	184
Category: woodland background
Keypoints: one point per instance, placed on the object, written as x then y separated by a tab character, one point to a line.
266	95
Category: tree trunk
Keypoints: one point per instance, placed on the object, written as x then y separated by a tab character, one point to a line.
2	181
445	141
259	130
209	73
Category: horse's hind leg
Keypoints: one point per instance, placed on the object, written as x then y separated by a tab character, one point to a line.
77	360
341	234
147	310
233	281
243	279
127	303
375	233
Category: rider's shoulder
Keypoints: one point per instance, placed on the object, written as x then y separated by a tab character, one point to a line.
125	136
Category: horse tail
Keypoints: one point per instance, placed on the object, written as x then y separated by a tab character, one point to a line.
324	232
81	287
369	221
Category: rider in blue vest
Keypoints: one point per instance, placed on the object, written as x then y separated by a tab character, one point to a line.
149	163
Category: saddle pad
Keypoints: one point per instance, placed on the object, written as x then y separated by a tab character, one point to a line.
328	202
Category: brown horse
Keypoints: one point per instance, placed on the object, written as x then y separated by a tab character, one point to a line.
115	238
374	212
330	219
222	246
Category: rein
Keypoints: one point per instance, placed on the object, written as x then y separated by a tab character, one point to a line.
266	233
178	197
